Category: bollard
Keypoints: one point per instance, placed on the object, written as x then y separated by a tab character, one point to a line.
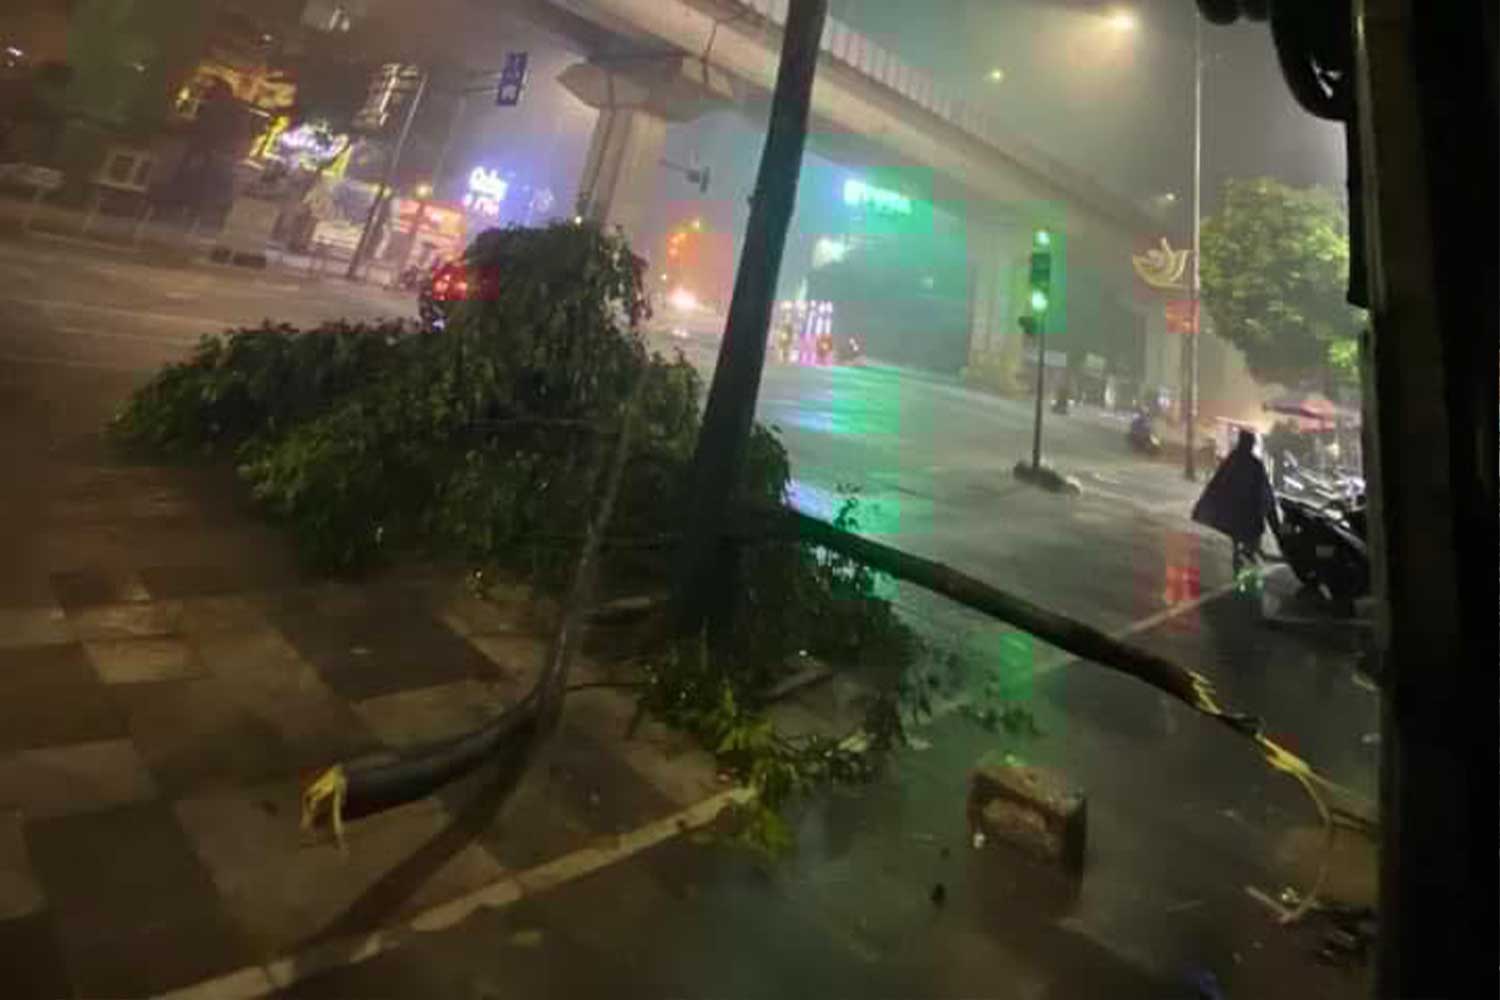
93	213
37	194
140	224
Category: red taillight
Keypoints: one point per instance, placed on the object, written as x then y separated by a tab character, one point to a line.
449	283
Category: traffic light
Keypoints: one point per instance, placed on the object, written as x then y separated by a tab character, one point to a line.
1041	270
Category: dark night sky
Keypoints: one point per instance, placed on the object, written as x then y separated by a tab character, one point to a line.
1116	106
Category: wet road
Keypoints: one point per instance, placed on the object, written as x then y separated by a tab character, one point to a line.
69	304
1182	818
1182	814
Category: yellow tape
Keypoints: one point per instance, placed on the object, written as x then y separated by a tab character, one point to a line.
1283	760
326	792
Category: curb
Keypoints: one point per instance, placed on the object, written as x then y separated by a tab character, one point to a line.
285	971
1048	479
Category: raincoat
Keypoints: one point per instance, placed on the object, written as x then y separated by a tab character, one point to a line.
1239	500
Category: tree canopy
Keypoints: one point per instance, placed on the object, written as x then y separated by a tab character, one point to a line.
1274	270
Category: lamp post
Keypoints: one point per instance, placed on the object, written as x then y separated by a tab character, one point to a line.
1125	21
1190	354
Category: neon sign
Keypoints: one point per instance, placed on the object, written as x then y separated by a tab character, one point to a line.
858	194
486	191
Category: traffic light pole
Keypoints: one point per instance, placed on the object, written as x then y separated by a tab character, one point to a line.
1041	386
381	193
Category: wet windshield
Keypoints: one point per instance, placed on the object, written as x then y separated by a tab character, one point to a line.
680	533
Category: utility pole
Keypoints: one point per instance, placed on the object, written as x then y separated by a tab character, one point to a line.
1190	354
704	577
362	246
437	178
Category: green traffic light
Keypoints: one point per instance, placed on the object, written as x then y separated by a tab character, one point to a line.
1038	300
1043	238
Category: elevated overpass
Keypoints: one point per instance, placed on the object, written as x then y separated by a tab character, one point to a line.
653	62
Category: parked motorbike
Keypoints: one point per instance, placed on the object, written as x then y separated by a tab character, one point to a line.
1142	435
1321	488
446	283
1324	544
411	279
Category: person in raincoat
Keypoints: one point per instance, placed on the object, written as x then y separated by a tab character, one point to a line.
1239	501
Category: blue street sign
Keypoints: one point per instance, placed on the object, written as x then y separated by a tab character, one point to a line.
512	80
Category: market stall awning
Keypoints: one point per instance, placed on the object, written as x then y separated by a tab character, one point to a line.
1312	411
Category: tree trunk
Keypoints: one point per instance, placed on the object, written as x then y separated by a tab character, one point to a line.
1066	634
702	575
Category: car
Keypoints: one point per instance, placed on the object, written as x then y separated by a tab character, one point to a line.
446	284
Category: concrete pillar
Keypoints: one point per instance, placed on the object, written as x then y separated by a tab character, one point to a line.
997	263
636	99
1163	362
619	175
987	283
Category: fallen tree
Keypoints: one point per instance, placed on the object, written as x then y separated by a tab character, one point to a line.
471	444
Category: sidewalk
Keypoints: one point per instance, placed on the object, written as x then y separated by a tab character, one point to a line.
1183	817
158	242
167	680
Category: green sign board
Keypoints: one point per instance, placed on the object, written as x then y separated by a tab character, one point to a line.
858	194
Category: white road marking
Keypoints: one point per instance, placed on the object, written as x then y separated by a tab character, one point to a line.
283	972
80	241
148	338
41	359
1058	658
156	317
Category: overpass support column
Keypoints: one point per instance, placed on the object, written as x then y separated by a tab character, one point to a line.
636	99
1163	362
996	262
619	174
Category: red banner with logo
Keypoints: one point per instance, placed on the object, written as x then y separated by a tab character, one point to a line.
1182	316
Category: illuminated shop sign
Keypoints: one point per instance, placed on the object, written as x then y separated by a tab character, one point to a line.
486	191
858	194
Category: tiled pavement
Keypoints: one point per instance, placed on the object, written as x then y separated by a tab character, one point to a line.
168	679
154	729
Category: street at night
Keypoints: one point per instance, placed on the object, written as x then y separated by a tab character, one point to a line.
740	499
851	912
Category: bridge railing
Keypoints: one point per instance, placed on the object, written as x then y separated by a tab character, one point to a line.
864	55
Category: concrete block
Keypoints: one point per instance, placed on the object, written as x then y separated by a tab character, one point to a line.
1031	808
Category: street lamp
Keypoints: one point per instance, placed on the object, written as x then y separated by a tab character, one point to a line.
1190	398
997	75
1124	20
